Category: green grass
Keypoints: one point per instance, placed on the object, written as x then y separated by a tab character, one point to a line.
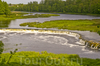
12	16
31	58
4	23
90	14
83	25
19	15
5	20
77	13
47	15
84	14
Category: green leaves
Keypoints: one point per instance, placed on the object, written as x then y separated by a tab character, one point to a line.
1	47
12	53
60	6
4	9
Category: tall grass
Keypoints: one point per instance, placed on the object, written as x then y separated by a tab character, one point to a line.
83	25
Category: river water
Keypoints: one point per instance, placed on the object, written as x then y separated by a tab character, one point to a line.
54	43
15	23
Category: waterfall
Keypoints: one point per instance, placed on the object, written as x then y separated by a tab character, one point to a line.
92	45
87	44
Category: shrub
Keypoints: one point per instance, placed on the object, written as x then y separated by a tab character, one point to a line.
1	47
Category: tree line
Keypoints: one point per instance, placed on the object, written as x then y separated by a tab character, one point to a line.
4	8
68	6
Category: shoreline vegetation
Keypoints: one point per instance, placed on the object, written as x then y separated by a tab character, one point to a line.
88	14
20	15
60	6
5	20
44	58
83	25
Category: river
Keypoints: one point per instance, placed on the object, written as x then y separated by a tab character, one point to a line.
55	43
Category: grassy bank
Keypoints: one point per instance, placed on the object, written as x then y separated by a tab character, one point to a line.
31	58
5	20
83	25
12	16
84	14
89	14
19	15
4	23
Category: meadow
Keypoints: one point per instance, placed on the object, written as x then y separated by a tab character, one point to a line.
82	25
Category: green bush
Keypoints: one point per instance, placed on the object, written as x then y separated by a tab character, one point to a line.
99	32
31	58
1	47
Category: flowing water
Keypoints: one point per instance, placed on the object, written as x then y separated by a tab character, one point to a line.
15	23
50	42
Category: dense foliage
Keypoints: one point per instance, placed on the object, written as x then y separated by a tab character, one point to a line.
68	6
1	47
4	9
89	25
5	21
31	58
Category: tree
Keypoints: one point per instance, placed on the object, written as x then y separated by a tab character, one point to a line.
72	6
1	8
6	9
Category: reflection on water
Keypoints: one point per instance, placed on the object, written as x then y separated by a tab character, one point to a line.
4	23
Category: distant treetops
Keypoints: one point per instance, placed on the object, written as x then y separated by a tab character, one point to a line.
68	6
4	8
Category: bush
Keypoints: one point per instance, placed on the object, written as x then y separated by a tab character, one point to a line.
99	32
1	47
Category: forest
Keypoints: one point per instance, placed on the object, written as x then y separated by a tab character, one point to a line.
60	6
4	8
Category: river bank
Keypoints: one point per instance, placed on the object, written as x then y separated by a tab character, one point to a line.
20	15
83	25
5	20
